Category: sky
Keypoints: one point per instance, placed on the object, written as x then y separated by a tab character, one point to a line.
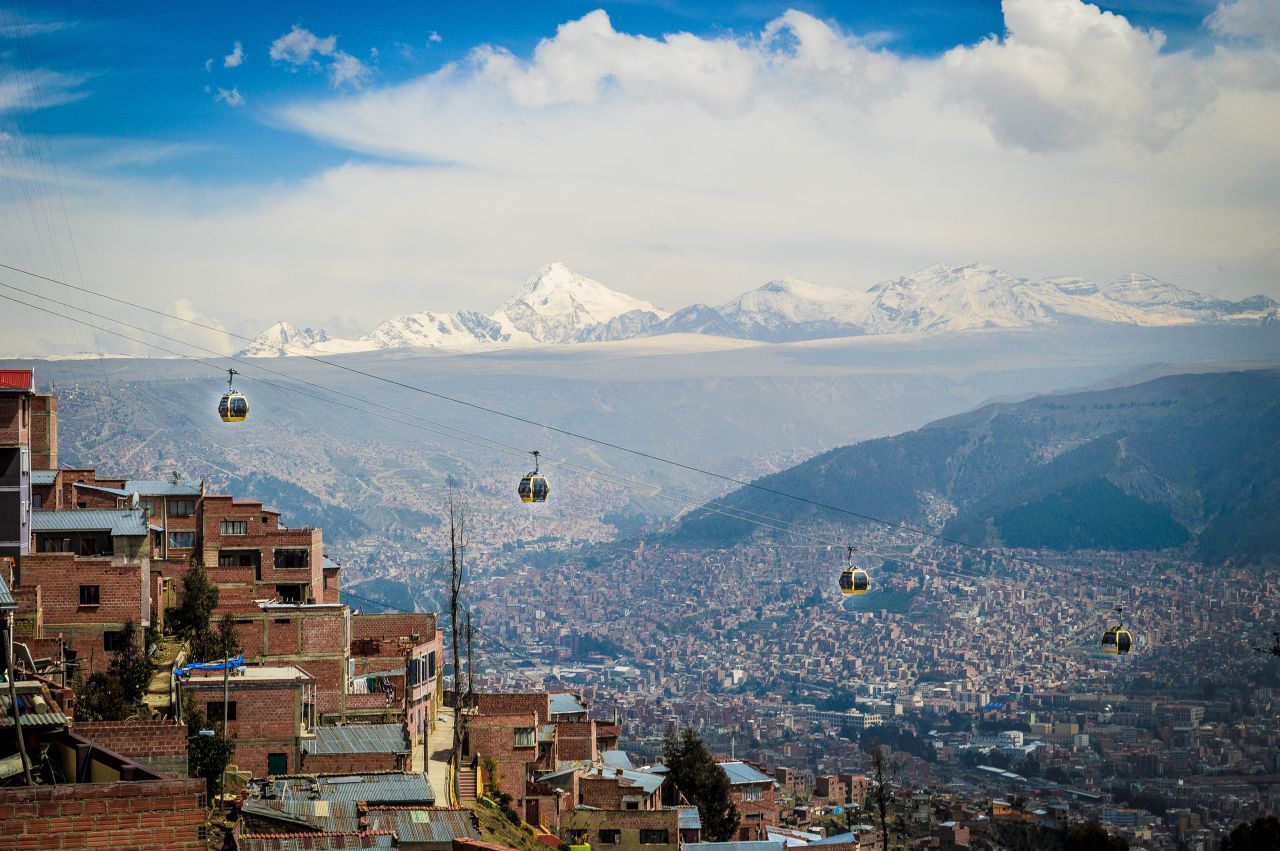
337	164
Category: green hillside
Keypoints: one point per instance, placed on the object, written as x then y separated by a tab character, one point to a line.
1185	460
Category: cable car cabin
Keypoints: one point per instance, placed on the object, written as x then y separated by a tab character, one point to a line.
1116	641
234	407
533	488
854	581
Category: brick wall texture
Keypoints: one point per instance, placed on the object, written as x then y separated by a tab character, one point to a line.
160	815
161	745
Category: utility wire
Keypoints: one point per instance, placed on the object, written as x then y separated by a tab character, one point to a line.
755	485
732	512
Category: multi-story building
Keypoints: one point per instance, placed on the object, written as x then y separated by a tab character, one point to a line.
270	713
17	389
752	792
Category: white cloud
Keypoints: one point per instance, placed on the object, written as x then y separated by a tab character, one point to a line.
298	46
801	149
208	65
235	58
1068	74
231	97
39	88
301	47
1247	19
434	37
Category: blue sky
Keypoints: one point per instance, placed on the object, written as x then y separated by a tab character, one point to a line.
435	154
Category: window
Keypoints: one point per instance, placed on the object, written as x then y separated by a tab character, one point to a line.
752	793
215	710
524	737
37	500
610	837
112	641
293	558
182	507
88	595
277	763
631	805
233	527
182	540
653	837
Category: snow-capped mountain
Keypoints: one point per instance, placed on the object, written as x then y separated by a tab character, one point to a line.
284	339
557	305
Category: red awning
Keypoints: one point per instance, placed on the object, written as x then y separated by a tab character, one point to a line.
20	380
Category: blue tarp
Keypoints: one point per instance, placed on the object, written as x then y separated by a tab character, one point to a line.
233	663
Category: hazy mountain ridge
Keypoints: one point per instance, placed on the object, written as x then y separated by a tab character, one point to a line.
1182	458
558	306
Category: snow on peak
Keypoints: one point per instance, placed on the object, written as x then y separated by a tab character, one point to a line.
284	338
557	305
791	300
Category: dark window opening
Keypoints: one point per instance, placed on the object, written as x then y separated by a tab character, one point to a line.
293	558
215	710
112	641
653	837
88	595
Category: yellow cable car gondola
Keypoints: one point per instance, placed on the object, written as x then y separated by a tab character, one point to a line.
533	487
1117	640
854	580
234	407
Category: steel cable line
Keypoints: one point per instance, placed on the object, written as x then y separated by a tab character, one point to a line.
732	512
906	527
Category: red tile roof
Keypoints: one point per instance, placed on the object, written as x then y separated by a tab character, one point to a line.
21	380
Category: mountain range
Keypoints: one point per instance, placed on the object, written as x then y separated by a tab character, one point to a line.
1182	461
557	305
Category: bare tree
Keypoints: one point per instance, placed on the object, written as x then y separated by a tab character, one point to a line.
457	514
884	770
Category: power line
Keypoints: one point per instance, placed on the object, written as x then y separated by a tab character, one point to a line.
906	527
733	512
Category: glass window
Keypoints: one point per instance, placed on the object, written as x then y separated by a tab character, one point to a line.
293	558
653	837
610	837
112	641
182	540
215	710
234	527
524	737
88	595
182	507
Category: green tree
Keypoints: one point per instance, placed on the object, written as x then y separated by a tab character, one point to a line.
199	599
1091	836
703	783
116	693
100	699
131	666
224	643
1262	835
207	756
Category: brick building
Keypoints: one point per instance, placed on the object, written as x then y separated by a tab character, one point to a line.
752	792
356	749
270	713
159	745
622	830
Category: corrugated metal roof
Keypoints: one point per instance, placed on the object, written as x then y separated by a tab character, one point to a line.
565	703
315	841
7	603
35	719
43	477
326	816
740	772
358	738
421	825
616	759
392	788
647	782
758	845
690	818
117	521
101	489
17	381
163	487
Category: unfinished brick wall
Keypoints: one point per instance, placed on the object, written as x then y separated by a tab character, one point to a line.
509	704
44	432
268	717
392	626
576	740
153	815
121	588
493	737
352	763
160	745
15	419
